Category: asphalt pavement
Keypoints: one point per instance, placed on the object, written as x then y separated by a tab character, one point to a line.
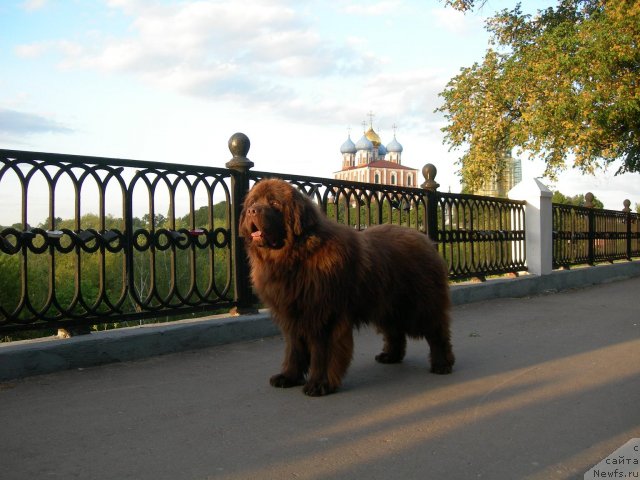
544	387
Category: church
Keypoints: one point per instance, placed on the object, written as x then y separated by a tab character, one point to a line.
368	160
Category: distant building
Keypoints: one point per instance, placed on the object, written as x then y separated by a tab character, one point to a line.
499	185
368	160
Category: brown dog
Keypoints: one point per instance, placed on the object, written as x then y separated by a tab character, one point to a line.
320	279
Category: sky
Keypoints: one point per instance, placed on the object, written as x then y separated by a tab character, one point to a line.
172	80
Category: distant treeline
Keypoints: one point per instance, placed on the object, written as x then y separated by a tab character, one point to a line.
93	273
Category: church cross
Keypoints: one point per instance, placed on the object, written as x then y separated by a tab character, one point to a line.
370	115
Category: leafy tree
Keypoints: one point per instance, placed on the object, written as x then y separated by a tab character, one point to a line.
464	5
81	271
159	220
561	85
47	223
10	288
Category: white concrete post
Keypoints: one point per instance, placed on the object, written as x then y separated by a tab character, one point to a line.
538	224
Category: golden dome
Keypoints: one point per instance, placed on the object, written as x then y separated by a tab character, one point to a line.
373	137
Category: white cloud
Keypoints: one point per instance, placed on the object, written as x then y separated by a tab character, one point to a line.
408	95
13	122
32	50
457	22
33	5
37	49
195	33
256	52
373	8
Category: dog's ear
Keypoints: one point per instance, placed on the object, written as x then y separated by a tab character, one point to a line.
304	212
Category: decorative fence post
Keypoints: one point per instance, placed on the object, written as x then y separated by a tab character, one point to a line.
429	171
239	145
538	224
591	254
627	210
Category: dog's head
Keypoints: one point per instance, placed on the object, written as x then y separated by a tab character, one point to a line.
275	214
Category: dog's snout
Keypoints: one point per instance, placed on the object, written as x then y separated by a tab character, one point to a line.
252	210
255	210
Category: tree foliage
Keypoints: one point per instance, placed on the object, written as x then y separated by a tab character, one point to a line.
464	5
561	85
73	272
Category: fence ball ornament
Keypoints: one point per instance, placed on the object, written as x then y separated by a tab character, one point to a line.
588	200
429	172
239	145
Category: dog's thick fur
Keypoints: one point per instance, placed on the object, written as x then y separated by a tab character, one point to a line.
320	279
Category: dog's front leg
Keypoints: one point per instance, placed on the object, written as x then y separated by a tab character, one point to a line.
294	365
331	354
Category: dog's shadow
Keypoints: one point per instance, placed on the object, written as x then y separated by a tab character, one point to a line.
412	374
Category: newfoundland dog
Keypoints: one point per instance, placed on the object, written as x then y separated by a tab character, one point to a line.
320	279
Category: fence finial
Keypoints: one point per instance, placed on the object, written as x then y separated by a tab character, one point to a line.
627	205
239	145
588	200
429	172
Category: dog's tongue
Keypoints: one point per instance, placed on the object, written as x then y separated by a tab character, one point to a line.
256	235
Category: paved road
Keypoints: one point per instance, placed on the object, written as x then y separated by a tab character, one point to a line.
544	388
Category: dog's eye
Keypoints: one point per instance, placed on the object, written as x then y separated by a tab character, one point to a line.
275	203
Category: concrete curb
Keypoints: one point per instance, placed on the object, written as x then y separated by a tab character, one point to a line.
35	357
535	285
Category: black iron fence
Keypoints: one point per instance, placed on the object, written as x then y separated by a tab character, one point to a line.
584	235
102	240
480	236
124	251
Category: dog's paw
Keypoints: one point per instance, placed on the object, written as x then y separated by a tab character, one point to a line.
385	357
317	389
442	364
441	368
281	381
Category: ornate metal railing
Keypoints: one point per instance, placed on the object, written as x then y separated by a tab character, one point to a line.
135	245
584	235
97	240
481	236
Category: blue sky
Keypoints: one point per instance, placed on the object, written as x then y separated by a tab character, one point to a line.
172	80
